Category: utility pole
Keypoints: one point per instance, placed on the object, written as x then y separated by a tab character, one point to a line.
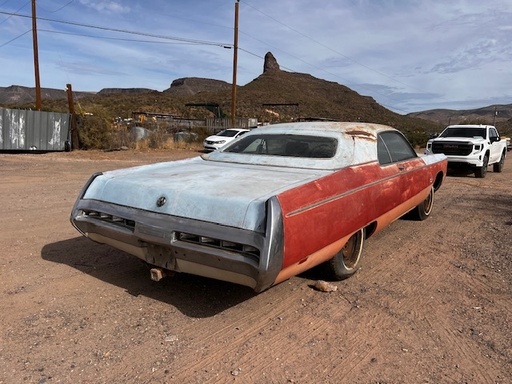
36	56
235	63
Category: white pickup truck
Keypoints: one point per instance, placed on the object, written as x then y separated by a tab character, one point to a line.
474	146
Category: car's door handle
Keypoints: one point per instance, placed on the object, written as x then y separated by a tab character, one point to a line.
401	167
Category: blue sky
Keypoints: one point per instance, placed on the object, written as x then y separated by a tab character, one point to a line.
408	55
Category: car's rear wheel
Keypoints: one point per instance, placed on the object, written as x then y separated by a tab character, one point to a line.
423	210
348	260
481	171
498	167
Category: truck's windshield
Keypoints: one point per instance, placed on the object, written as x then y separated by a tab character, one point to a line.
463	132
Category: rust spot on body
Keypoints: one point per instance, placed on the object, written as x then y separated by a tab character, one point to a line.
362	134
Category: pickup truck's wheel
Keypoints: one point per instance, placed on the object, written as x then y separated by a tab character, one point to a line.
498	167
481	171
423	210
347	261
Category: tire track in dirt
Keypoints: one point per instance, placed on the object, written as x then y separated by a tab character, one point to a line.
273	322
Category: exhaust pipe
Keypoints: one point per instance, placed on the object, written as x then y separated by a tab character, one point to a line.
157	274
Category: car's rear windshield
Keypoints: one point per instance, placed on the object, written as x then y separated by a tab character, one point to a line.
463	132
285	145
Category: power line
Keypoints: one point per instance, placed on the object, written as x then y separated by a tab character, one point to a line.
19	9
58	9
163	37
114	38
17	37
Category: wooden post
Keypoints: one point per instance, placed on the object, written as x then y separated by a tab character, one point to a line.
36	56
71	107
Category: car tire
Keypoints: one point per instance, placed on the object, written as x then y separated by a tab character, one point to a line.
348	260
480	172
498	167
423	210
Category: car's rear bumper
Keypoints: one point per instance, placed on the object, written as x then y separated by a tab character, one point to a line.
180	244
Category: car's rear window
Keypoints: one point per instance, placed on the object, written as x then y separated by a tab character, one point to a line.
319	147
228	133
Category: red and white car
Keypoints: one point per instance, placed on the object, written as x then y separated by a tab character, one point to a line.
278	201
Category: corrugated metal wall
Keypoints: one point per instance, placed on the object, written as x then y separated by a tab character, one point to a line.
24	130
217	124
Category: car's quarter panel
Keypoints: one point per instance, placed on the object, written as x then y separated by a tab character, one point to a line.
321	214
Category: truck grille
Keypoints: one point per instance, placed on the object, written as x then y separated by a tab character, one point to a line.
452	148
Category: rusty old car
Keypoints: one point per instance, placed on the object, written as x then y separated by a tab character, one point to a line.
272	204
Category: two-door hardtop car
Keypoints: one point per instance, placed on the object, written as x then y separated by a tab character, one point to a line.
276	202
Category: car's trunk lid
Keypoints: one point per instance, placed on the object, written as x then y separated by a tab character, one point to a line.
227	194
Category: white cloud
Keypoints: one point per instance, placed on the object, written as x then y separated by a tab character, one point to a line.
107	6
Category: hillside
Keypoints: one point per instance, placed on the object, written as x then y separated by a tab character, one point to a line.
16	95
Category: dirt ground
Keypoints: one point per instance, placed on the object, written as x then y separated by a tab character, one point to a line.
432	303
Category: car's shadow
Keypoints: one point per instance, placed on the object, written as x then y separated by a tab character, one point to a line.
193	295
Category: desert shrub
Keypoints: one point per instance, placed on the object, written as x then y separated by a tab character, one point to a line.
95	133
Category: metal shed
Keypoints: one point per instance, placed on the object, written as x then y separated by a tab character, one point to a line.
25	130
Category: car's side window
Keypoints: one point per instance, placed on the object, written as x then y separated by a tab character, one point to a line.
396	146
382	152
493	135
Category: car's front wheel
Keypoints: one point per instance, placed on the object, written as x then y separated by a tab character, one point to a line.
348	260
498	167
480	172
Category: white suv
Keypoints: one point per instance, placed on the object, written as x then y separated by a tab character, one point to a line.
211	143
